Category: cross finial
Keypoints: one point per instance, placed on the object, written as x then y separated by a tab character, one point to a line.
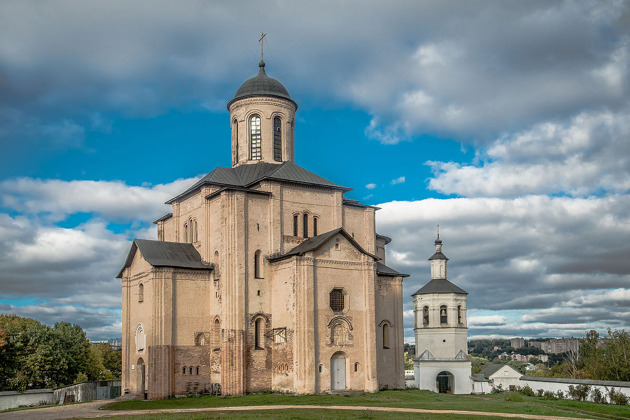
438	230
262	42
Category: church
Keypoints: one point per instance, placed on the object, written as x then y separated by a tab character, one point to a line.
263	277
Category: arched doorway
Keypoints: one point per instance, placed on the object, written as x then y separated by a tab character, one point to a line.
338	371
141	377
445	382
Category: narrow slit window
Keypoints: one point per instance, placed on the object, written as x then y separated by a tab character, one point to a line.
141	292
425	316
277	139
296	220
385	336
235	133
258	334
255	137
305	225
257	265
315	223
459	314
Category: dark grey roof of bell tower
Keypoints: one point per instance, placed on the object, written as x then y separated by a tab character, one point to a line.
262	85
440	286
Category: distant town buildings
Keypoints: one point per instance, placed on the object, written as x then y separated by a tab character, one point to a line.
517	343
556	345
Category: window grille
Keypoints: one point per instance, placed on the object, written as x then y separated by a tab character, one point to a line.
277	139
336	300
255	137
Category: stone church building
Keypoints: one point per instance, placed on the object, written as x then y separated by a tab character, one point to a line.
264	277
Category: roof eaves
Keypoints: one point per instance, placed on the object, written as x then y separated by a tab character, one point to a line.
166	216
248	190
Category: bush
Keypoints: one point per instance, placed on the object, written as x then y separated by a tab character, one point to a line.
598	397
579	392
617	397
560	395
549	395
526	390
540	392
497	389
513	396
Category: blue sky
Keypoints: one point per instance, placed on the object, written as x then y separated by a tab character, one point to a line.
505	122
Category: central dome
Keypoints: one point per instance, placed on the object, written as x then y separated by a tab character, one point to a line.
262	85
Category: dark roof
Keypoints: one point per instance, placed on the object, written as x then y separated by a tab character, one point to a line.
576	381
315	242
439	286
166	254
261	85
387	239
383	270
356	203
245	176
438	256
166	216
490	370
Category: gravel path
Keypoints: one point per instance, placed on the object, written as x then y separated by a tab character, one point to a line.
91	410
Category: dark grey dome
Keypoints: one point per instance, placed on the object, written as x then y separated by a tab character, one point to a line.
262	85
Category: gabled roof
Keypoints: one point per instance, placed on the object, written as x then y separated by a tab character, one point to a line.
165	217
245	176
493	368
438	256
440	286
166	254
315	242
383	270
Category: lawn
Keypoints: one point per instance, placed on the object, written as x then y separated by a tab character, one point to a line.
411	398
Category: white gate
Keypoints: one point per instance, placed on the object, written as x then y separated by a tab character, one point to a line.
338	371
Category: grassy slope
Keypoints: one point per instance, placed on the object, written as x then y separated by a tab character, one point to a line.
505	403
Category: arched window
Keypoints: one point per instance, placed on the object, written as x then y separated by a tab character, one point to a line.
194	235
190	370
356	366
259	331
385	336
296	220
258	265
200	339
235	134
186	232
141	292
277	139
459	314
141	338
425	316
336	300
315	223
184	370
198	369
255	137
305	225
443	315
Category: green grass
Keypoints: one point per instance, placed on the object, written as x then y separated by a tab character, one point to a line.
304	415
500	403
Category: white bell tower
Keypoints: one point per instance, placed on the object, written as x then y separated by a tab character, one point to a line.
441	329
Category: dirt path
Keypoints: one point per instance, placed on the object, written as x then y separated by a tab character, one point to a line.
91	410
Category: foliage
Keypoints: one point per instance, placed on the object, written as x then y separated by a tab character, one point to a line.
527	390
478	363
549	395
579	392
560	394
598	397
605	359
617	397
38	356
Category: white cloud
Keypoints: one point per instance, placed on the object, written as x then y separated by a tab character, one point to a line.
399	180
370	186
587	155
487	320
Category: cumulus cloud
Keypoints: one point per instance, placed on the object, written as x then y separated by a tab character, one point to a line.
420	67
545	258
590	154
399	180
370	186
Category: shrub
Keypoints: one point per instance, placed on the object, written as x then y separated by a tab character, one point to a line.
549	395
540	392
513	396
617	397
598	397
526	390
497	389
560	395
579	392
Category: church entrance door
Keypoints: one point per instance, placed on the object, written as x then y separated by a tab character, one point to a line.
444	382
338	371
141	377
